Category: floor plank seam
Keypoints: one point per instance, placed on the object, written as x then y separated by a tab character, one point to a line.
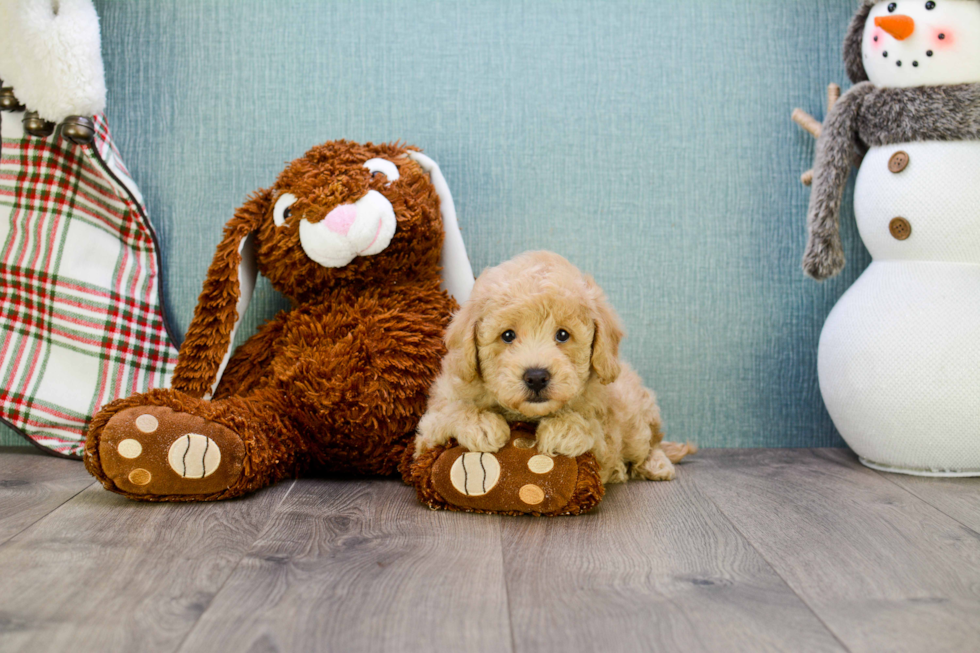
503	570
46	515
887	477
890	477
768	562
231	572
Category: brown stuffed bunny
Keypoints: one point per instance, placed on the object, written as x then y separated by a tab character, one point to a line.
352	234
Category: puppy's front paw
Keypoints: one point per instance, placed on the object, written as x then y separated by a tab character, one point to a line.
486	432
570	435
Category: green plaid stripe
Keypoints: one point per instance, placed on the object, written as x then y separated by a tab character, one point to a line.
80	309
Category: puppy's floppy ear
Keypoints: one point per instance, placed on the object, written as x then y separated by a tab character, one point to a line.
462	360
227	290
605	340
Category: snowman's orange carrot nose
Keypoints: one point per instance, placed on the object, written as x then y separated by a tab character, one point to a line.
901	27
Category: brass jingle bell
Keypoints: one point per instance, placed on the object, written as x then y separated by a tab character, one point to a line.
80	130
35	125
8	102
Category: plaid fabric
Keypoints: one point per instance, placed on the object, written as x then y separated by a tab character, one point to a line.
81	322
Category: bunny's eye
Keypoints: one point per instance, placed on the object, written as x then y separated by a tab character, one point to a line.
383	166
283	208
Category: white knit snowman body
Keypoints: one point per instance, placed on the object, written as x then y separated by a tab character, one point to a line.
899	355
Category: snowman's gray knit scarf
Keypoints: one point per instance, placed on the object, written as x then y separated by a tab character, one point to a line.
865	117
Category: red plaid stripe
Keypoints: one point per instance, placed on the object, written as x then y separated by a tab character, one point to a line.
80	310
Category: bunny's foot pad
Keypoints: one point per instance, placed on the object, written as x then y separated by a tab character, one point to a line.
516	480
156	451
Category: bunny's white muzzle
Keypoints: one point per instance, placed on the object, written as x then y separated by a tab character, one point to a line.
359	229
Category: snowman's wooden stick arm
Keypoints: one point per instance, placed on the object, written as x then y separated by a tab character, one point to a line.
813	126
824	256
807	122
833	94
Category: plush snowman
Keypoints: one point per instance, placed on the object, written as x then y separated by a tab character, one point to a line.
899	357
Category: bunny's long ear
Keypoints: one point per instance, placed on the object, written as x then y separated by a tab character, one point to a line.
457	273
227	292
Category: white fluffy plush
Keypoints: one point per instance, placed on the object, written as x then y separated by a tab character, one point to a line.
51	56
6	47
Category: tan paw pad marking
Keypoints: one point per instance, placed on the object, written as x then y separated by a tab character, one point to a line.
194	456
129	448
474	473
530	494
540	464
524	443
147	423
140	477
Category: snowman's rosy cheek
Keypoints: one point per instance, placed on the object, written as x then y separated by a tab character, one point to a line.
942	38
878	38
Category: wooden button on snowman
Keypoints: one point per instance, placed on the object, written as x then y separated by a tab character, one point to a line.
899	355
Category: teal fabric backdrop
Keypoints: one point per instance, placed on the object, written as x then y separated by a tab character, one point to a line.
649	142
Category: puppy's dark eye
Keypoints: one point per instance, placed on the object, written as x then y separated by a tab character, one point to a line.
930	5
892	7
508	336
288	212
562	335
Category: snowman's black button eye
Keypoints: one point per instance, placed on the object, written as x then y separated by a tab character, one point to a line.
508	336
930	5
562	335
942	36
892	6
928	53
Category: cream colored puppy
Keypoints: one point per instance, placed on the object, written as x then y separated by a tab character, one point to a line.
538	342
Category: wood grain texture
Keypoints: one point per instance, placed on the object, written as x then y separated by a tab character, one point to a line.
107	574
32	485
882	568
656	567
751	550
360	566
957	497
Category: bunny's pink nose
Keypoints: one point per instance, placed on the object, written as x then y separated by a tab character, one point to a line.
341	218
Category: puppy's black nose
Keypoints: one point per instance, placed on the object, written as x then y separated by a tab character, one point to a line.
536	379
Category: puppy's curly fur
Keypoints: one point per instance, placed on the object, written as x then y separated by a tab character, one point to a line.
558	322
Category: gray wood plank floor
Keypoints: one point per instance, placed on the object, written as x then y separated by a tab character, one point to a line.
748	550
